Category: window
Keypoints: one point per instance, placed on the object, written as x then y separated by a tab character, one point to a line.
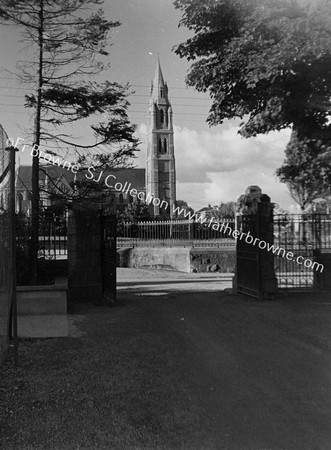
162	116
20	201
161	92
163	144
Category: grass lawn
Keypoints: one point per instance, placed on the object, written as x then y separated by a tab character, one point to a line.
115	387
185	370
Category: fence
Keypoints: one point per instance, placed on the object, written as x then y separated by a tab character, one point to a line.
174	233
52	253
302	235
53	237
5	252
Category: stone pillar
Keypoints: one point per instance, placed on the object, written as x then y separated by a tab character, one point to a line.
255	216
84	256
267	261
322	277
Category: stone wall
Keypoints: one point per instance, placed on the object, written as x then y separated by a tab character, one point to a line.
172	258
213	260
183	259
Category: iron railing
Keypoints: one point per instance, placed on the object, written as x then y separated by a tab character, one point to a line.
174	233
53	238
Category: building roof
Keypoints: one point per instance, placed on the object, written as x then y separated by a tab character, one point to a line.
23	180
24	174
205	208
135	177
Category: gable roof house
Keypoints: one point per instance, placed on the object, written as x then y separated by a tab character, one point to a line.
118	186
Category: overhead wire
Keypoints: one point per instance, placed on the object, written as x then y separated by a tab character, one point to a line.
173	97
139	113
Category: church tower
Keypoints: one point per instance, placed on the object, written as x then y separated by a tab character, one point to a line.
160	164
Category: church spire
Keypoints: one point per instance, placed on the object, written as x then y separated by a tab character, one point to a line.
160	164
159	90
158	79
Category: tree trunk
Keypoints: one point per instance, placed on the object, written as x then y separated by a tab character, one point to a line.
34	243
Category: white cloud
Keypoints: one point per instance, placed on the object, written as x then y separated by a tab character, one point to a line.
214	166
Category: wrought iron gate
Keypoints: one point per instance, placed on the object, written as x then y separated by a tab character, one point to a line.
109	258
283	251
304	236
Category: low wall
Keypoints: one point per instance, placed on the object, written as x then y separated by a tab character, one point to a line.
42	300
171	258
213	260
183	259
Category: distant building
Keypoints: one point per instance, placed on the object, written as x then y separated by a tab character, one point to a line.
155	185
206	212
223	211
56	182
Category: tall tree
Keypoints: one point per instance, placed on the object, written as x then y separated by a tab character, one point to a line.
133	213
226	210
185	208
267	62
67	39
306	168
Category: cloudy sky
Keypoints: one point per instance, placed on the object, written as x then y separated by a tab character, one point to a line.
213	164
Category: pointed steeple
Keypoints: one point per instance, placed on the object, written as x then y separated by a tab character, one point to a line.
159	88
158	79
